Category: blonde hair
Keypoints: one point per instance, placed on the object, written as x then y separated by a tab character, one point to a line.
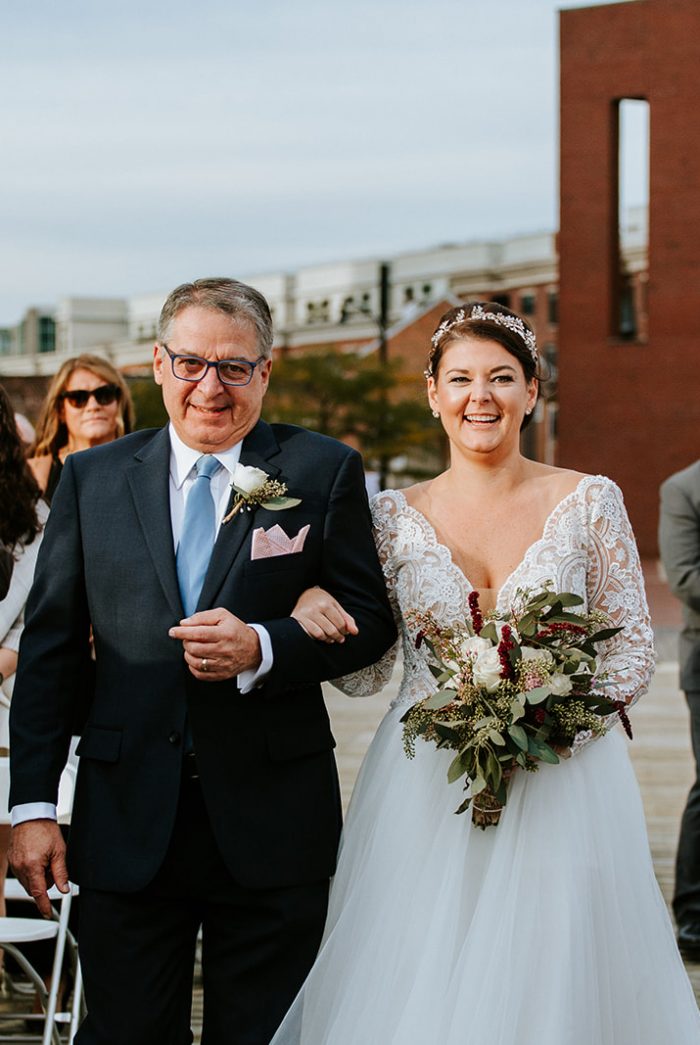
51	431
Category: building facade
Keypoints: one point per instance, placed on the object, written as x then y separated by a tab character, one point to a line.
629	394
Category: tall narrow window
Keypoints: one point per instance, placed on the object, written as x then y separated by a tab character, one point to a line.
630	247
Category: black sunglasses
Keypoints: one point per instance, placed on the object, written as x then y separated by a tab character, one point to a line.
104	395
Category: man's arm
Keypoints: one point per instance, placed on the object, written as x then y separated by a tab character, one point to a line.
679	543
352	574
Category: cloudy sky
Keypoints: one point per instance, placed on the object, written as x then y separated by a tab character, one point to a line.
146	143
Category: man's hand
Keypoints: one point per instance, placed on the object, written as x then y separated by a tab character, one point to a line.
217	645
37	855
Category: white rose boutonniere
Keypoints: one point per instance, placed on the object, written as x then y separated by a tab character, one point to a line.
254	488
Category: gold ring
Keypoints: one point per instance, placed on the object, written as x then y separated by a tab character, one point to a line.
204	663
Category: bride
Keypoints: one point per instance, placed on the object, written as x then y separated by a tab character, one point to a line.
548	929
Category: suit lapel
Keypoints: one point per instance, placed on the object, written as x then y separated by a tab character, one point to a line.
148	479
258	447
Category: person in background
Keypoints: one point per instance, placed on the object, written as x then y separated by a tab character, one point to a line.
679	544
25	430
6	564
22	518
88	403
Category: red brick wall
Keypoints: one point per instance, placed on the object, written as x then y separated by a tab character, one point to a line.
630	410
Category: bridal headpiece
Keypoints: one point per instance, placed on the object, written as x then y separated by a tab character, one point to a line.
513	323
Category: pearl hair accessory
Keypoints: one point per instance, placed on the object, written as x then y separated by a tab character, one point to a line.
513	323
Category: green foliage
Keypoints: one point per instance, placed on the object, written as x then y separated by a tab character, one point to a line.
347	395
148	403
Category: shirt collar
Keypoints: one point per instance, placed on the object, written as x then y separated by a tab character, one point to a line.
183	458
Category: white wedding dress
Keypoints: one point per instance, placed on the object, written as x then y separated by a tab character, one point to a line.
548	929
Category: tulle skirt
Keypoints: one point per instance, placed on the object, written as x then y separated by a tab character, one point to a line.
548	929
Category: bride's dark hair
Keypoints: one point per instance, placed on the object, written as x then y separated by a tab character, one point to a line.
18	490
514	333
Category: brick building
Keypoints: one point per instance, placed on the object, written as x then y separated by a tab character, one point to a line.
629	406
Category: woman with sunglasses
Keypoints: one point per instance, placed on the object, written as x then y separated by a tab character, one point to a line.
88	403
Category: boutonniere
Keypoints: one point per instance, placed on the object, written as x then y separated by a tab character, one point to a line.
255	489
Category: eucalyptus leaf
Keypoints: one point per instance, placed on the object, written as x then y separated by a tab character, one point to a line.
568	598
494	772
478	786
457	768
496	737
528	624
440	699
276	504
546	754
483	722
568	618
519	735
604	634
517	710
537	695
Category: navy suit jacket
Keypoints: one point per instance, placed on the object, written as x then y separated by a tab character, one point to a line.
265	759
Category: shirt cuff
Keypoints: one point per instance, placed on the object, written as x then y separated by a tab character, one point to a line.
32	811
252	678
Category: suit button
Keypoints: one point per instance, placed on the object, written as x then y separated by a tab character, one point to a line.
175	738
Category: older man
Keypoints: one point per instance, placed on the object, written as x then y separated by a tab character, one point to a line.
679	542
207	793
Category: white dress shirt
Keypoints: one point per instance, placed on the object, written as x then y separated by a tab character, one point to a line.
182	476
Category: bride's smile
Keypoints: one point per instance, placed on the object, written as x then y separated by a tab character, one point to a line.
481	395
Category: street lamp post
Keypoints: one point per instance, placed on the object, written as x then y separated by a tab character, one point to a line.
382	322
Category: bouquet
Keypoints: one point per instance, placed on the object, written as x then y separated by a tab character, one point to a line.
511	693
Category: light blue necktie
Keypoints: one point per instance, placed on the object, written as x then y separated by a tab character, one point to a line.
198	534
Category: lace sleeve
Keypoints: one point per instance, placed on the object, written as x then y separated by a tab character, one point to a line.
615	585
371	679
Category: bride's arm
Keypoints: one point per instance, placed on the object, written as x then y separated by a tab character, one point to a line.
324	619
615	585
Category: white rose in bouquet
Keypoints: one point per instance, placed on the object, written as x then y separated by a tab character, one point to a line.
473	646
542	655
487	669
560	685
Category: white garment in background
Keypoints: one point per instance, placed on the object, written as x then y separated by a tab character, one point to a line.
11	627
548	929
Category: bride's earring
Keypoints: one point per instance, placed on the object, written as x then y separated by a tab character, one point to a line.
435	413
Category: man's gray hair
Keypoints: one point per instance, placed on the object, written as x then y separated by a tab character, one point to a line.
234	299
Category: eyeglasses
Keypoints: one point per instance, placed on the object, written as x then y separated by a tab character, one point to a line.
229	371
103	396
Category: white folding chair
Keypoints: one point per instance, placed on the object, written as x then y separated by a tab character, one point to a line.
16	931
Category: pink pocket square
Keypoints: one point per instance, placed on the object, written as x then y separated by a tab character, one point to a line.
274	541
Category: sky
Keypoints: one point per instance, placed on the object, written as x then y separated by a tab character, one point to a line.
147	143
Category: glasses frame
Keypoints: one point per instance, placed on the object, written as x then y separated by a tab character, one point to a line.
114	395
216	363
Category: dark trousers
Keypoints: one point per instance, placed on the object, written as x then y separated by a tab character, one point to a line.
137	949
686	900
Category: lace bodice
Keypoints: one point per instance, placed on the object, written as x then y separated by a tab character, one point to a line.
587	547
